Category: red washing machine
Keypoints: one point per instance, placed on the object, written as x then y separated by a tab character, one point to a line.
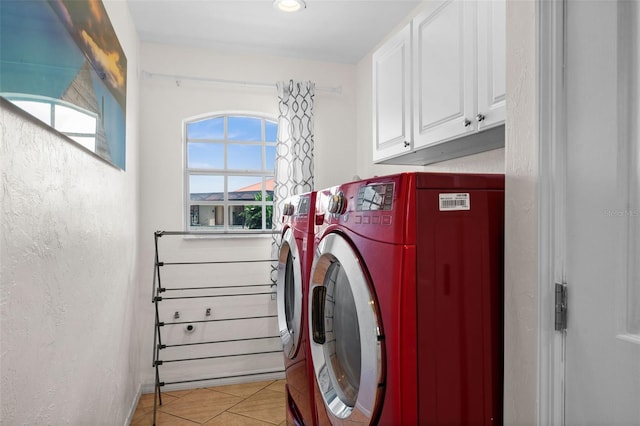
406	298
294	266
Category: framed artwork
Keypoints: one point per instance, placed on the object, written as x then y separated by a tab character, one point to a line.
61	61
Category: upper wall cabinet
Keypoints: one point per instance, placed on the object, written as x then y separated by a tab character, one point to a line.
458	82
444	72
491	62
392	96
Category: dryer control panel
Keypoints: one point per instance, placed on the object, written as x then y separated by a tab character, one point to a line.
375	197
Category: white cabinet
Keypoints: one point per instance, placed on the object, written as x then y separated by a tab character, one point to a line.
457	85
459	70
491	62
392	96
444	71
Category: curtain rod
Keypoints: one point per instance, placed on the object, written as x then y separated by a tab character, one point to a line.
177	78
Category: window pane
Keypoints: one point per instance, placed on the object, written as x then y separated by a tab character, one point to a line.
206	155
269	184
206	188
212	128
221	147
271	157
245	217
245	157
271	131
245	129
245	188
209	216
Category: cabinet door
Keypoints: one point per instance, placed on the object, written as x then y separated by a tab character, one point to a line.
392	96
444	72
491	63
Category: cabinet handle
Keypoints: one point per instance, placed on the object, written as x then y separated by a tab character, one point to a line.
406	144
479	118
467	122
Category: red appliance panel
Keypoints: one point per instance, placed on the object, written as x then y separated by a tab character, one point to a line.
299	371
395	291
437	279
459	297
457	180
375	208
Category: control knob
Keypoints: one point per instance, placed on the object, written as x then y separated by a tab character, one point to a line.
337	203
287	209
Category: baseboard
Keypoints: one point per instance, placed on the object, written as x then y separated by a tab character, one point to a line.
134	405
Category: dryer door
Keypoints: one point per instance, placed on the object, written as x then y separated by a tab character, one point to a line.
289	294
346	334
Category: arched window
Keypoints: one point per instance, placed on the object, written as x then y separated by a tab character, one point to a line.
229	172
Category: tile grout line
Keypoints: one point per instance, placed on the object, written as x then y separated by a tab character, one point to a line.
240	402
176	399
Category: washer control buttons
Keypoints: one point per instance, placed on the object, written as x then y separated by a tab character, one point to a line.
375	197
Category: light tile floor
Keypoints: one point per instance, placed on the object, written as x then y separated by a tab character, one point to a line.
254	404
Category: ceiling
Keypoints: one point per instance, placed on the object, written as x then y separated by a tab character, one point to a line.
342	31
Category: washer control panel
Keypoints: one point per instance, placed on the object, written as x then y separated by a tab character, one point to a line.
303	205
375	197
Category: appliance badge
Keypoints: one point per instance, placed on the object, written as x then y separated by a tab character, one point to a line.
452	202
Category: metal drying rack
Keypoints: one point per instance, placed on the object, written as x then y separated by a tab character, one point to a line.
157	296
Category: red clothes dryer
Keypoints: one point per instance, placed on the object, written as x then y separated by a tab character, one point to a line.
406	300
294	265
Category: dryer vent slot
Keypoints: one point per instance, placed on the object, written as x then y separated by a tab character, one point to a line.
317	314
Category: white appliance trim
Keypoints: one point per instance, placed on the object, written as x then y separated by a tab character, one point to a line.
291	339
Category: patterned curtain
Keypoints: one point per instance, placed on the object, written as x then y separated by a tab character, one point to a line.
294	152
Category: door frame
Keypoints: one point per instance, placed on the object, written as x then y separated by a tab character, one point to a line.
552	238
551	17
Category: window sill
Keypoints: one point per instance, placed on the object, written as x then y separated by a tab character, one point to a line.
226	235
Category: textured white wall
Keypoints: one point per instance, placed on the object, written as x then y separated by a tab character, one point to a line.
68	269
165	103
521	216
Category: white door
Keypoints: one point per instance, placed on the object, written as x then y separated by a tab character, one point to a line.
602	376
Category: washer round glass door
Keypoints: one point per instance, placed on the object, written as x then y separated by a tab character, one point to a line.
289	294
346	334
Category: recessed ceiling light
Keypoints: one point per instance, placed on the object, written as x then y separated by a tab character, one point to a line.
289	5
